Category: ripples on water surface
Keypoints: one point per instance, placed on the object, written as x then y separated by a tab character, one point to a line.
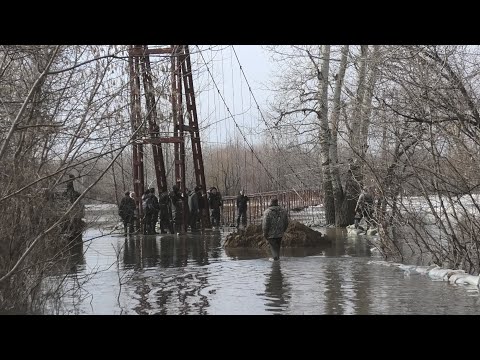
192	274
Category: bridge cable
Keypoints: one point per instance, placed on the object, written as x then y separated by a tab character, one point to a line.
265	121
233	118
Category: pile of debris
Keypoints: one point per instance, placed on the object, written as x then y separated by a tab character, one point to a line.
297	235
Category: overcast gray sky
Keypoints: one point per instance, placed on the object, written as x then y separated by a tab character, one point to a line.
223	65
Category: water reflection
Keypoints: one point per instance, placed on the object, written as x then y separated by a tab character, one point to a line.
167	248
200	248
170	250
333	290
76	260
339	245
129	252
193	274
276	289
346	245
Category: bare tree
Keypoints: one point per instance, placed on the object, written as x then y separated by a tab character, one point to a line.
55	102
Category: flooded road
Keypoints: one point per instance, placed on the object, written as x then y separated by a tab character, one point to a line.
193	274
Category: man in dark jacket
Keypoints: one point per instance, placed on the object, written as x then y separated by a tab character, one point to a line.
215	203
149	211
193	206
156	210
126	210
176	204
165	213
274	224
202	207
242	201
135	212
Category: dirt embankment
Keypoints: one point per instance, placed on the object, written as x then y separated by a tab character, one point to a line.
297	235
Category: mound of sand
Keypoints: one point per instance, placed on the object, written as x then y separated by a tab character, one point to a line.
297	235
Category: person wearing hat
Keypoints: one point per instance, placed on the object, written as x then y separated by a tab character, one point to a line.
274	224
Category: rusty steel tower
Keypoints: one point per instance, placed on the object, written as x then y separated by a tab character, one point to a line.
182	98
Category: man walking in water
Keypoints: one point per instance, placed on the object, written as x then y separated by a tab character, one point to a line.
274	224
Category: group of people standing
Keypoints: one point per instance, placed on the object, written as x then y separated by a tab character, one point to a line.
168	209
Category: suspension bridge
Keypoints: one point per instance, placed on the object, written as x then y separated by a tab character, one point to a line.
151	123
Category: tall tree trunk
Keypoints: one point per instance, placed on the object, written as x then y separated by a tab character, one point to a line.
342	216
367	108
359	100
359	135
355	175
324	134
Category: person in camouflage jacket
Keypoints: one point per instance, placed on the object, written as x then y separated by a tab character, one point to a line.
274	224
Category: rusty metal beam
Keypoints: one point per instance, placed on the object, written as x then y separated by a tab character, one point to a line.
182	98
160	140
151	109
177	110
189	128
192	126
138	51
137	153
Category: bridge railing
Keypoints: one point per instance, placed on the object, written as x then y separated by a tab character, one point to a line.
289	199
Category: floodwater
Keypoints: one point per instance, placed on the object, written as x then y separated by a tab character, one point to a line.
193	274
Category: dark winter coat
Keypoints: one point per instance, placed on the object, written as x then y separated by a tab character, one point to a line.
201	201
242	201
176	202
149	205
274	222
215	201
156	205
127	207
193	201
163	204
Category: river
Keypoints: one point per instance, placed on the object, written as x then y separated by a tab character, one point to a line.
193	274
